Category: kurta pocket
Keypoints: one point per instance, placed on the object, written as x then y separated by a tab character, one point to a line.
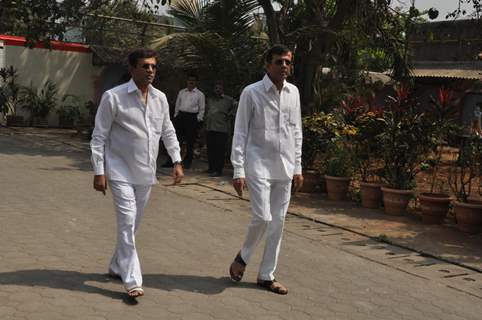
156	124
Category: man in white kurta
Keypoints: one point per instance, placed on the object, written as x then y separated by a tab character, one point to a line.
266	155
130	121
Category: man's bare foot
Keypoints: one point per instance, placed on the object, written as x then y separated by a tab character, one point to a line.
135	292
273	286
237	268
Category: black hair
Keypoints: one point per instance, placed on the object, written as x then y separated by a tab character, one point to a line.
277	49
137	54
192	75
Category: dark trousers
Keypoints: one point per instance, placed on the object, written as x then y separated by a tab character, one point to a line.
216	143
186	128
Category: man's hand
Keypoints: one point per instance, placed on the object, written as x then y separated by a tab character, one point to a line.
239	185
177	173
100	183
297	182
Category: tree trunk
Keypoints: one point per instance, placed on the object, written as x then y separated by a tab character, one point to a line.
271	21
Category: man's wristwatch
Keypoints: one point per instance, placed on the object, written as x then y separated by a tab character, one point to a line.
177	163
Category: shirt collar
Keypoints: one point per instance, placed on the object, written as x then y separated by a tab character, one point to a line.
131	87
268	84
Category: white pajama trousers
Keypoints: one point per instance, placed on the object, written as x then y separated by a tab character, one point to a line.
269	204
129	201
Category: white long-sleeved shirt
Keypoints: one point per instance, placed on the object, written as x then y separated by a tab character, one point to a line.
125	141
267	133
190	101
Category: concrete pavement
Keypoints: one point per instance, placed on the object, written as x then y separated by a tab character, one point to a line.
57	236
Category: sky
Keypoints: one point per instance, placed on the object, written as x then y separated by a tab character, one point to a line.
443	6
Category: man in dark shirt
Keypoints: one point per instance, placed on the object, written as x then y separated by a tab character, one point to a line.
220	109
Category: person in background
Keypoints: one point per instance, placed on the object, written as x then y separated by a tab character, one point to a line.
188	113
220	110
476	122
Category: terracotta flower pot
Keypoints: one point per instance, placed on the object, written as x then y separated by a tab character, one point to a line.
337	187
469	216
312	181
396	201
371	195
434	207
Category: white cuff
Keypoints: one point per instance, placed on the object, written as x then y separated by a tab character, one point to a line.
99	170
238	173
176	158
298	170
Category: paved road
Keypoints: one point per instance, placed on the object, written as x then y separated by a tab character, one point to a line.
57	236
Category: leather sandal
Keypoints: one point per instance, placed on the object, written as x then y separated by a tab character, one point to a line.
272	285
236	270
135	292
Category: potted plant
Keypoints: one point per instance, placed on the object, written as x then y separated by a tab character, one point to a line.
338	158
367	156
464	177
69	111
405	141
39	103
9	96
316	133
434	204
365	116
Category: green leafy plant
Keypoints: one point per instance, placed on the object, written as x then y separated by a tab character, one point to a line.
9	91
442	113
467	168
319	131
339	158
39	103
315	133
70	110
406	139
338	155
364	115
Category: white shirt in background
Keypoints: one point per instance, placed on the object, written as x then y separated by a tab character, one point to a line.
190	101
125	141
267	133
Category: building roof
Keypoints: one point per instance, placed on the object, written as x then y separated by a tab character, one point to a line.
448	69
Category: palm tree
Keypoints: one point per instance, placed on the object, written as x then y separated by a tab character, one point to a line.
218	41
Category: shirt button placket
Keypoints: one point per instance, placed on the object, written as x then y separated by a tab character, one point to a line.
280	116
149	134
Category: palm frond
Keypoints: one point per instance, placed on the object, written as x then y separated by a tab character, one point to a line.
189	50
231	17
190	12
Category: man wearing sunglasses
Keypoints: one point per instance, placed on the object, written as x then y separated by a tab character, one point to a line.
266	156
130	121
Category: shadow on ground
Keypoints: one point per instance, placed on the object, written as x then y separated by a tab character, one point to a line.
84	282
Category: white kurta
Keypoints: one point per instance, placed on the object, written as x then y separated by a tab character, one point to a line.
267	134
267	152
125	141
125	144
191	101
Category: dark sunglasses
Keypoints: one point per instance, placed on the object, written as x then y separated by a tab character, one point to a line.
279	62
147	65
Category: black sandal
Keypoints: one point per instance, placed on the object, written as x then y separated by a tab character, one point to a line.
269	285
240	261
